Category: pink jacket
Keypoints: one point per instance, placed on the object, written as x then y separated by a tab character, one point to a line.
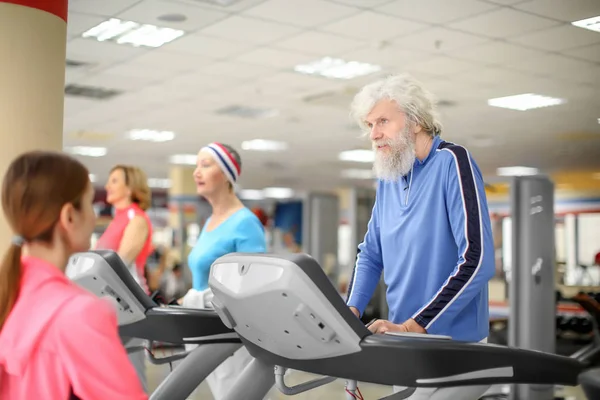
61	340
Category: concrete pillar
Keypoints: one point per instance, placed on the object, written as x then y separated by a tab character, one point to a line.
32	77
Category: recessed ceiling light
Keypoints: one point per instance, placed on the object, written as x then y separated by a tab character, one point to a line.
251	194
264	145
132	33
358	174
184	159
330	67
92	178
278	193
87	151
516	171
359	155
159	183
150	136
593	24
524	102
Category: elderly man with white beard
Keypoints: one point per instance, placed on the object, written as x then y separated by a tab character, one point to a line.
430	232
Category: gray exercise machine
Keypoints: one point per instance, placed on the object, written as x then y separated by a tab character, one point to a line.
104	274
532	282
309	327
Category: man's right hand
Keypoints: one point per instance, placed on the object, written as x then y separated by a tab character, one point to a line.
355	311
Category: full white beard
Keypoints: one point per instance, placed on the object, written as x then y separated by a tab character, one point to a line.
398	161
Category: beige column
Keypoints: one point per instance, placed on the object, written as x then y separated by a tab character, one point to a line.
32	76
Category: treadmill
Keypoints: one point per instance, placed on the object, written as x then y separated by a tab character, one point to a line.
103	273
289	315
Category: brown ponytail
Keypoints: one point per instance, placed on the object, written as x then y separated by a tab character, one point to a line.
10	280
35	188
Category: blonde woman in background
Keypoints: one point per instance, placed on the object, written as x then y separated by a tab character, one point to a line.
130	234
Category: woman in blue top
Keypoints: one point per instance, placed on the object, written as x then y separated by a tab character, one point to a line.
230	228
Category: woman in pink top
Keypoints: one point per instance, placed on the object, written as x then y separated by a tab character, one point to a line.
130	235
57	341
130	231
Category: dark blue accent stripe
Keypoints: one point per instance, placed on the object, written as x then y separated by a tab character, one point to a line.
352	277
474	246
224	162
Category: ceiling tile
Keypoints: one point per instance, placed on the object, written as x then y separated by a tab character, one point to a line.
496	52
238	70
112	80
559	38
273	58
571	10
375	26
392	56
439	40
234	7
306	13
494	76
551	65
74	105
166	60
249	30
505	2
361	3
503	23
206	46
106	8
198	82
591	53
100	52
435	11
148	12
441	65
79	23
318	43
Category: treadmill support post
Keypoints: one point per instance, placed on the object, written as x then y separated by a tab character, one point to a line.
532	279
194	369
255	382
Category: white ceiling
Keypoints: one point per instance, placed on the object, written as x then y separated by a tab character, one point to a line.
465	51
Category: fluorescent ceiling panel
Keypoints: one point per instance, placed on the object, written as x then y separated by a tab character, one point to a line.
87	151
524	102
132	33
150	135
516	171
264	145
337	68
251	194
359	155
184	159
278	193
593	24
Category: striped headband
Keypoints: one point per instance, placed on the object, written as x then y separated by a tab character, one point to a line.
226	161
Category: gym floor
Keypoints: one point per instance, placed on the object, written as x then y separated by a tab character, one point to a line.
332	391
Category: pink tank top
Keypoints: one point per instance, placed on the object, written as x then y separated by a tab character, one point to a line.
112	236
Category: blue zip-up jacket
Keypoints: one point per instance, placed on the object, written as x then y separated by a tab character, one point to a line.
430	233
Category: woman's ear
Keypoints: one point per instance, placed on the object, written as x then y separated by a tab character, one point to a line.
67	216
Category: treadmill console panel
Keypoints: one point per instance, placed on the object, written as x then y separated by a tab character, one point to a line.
272	303
93	272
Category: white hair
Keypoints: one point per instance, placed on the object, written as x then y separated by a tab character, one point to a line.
417	102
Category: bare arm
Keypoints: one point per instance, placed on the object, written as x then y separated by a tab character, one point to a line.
134	238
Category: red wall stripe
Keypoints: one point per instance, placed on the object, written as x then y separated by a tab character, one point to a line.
57	7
